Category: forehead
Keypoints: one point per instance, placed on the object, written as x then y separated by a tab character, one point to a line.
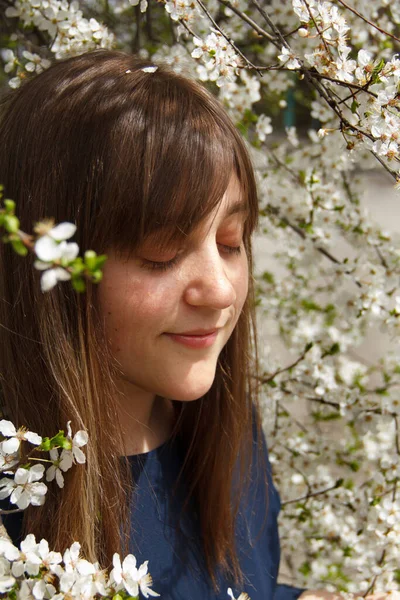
232	203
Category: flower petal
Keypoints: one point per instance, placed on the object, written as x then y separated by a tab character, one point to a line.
33	438
7	428
59	478
10	446
36	472
47	249
81	438
50	473
63	231
62	274
23	500
21	476
79	456
41	266
70	251
48	280
66	460
6	583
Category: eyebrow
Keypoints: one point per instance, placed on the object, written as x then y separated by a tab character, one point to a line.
238	207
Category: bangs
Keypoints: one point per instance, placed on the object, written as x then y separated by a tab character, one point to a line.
172	152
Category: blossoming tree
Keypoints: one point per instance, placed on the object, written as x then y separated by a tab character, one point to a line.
338	58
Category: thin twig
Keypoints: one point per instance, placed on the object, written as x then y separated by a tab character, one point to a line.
394	174
294	420
322	401
354	11
291	366
247	19
230	42
310	495
278	35
320	33
381	257
11	511
361	88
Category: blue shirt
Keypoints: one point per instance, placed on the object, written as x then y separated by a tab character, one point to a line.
175	562
174	553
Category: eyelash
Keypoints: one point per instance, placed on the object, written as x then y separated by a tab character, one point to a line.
168	264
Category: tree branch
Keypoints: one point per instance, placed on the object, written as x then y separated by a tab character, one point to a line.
354	11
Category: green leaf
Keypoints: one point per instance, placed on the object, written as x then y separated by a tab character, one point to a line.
78	284
90	259
268	277
377	69
382	391
76	266
101	259
45	445
12	594
319	416
354	106
61	441
305	569
19	247
10	206
11	223
310	305
334	349
97	276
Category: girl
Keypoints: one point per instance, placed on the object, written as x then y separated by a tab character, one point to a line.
157	363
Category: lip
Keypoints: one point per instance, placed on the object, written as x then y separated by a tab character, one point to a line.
198	338
197	332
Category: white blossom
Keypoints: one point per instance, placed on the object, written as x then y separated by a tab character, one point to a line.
10	446
79	440
128	576
52	247
24	488
60	464
289	59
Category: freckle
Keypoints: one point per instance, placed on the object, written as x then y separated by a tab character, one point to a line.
109	313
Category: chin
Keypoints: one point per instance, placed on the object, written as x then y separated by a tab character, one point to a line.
189	391
187	395
189	384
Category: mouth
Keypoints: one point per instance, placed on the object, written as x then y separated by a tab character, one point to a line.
197	338
197	332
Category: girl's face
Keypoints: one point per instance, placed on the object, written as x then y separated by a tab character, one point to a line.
169	313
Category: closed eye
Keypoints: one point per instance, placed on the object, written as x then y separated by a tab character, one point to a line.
230	249
153	265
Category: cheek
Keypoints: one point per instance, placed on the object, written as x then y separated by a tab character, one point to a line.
242	284
133	307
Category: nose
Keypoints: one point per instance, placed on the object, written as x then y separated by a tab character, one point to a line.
210	284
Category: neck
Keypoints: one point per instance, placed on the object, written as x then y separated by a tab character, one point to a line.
145	420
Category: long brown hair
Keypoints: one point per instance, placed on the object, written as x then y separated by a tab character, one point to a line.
121	152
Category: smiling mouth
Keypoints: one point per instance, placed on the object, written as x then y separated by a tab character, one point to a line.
203	339
198	332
